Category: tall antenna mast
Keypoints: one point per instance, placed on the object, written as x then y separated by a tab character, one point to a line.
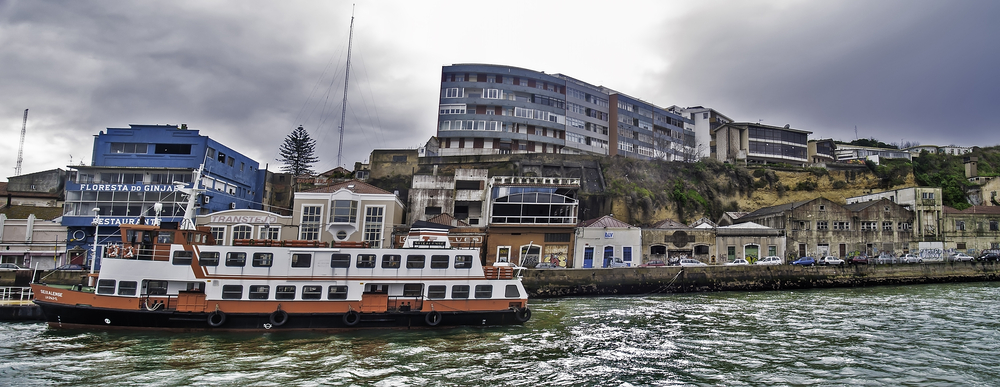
347	78
20	149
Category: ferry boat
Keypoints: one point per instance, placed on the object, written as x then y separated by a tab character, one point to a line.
170	276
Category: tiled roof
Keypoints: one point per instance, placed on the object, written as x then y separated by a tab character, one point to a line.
775	209
604	221
855	207
736	214
356	186
981	210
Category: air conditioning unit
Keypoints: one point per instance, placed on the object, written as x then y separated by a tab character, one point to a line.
232	206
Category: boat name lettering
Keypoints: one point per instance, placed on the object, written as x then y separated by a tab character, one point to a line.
244	219
50	295
429	243
127	187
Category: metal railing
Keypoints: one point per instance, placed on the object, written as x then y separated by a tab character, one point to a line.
16	293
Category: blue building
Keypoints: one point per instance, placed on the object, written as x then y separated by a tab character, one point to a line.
134	172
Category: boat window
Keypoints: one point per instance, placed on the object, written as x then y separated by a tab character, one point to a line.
413	290
463	261
183	257
165	237
262	259
512	292
106	286
209	258
196	238
436	291
156	288
366	261
126	288
232	292
337	293
484	291
302	260
340	260
284	292
236	259
414	261
439	261
460	291
310	292
391	261
259	292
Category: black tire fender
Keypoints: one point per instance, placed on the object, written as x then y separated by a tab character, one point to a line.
278	318
351	318
522	314
216	318
433	318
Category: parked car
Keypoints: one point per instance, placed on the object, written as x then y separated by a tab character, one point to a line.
10	266
692	262
738	262
70	266
654	263
618	262
830	260
858	260
910	258
805	261
961	257
989	257
885	258
770	260
547	265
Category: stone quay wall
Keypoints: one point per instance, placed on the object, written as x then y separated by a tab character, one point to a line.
545	283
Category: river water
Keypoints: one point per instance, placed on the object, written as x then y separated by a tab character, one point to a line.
942	334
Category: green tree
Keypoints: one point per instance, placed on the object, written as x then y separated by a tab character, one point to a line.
298	153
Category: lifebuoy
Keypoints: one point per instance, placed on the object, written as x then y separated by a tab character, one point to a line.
279	318
216	318
351	318
433	318
129	252
522	314
113	251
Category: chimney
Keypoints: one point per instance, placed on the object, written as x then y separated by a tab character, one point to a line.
970	166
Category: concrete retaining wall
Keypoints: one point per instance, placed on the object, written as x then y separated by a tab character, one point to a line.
543	283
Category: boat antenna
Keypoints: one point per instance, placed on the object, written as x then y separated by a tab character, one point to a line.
192	193
347	79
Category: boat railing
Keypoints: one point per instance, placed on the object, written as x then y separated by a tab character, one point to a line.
149	252
16	294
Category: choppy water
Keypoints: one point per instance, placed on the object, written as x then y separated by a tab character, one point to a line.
944	334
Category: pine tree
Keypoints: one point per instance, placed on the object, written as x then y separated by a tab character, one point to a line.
298	153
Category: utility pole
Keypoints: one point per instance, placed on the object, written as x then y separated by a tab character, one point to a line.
20	149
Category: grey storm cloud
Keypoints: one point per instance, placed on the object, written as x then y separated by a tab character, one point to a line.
247	72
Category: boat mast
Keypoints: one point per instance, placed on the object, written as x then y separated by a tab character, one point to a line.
347	78
188	222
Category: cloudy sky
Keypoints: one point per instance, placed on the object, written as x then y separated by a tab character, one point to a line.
247	72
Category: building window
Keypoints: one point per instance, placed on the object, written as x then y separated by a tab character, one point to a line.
731	252
886	226
399	158
822	225
449	109
994	226
128	147
492	93
269	232
454	92
344	211
959	225
772	251
960	245
310	224
373	225
432	210
242	232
